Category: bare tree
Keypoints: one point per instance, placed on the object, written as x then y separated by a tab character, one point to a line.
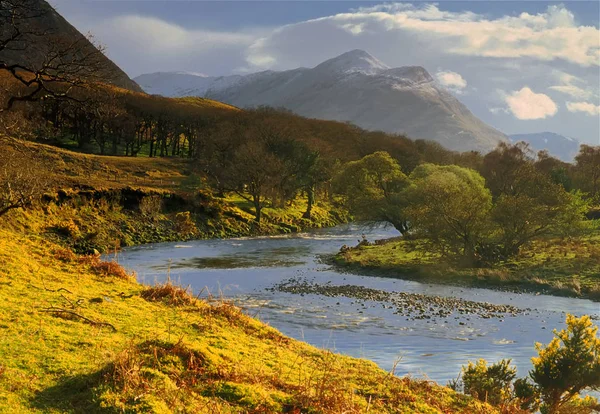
23	179
44	62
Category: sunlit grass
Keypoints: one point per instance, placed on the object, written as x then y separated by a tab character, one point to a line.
569	266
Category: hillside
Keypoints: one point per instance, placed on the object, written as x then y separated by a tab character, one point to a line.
45	35
353	87
557	145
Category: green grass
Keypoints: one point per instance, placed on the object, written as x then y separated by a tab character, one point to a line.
168	352
556	266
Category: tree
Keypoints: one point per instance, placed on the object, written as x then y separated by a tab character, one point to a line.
587	168
449	206
22	178
372	189
253	174
545	209
506	165
556	170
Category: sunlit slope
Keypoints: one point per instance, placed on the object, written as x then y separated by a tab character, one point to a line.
78	336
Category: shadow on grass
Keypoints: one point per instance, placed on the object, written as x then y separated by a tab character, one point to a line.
73	394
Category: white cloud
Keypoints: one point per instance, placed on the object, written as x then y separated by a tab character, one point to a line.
158	36
569	86
499	110
586	107
526	104
545	36
572	90
451	79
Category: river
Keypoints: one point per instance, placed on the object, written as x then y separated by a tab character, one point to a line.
245	269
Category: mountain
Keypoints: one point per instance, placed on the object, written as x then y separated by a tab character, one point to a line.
44	32
557	145
355	87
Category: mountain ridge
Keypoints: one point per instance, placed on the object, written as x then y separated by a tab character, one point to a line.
352	87
560	146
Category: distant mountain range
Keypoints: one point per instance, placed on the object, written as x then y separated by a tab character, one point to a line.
353	87
557	145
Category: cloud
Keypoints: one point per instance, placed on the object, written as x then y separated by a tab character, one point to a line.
143	44
569	86
499	110
451	79
526	104
551	35
586	107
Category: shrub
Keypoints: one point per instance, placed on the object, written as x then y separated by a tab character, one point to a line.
569	364
184	224
105	268
169	293
151	206
490	384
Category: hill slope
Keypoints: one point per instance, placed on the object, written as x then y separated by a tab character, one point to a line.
46	31
80	335
353	87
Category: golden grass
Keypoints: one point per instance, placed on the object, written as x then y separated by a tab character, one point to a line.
196	357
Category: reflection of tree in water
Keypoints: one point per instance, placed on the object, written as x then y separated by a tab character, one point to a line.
277	257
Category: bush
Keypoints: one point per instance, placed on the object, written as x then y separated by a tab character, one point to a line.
151	206
568	365
184	224
491	384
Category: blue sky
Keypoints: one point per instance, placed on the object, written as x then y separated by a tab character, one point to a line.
519	66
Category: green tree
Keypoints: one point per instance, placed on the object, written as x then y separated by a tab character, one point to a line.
587	168
449	206
372	189
545	209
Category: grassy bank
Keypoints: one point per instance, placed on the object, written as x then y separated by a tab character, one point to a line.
79	335
568	267
98	203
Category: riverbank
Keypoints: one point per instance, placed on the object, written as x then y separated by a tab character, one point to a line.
97	203
80	335
556	267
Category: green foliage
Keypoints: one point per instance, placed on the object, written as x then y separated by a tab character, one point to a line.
487	383
372	189
449	205
569	364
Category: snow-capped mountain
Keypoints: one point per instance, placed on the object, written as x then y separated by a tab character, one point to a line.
559	146
355	87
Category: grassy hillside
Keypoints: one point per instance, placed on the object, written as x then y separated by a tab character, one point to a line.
80	335
101	203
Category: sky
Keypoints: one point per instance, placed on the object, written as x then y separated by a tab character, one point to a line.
522	67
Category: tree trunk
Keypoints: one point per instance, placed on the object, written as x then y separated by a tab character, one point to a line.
257	208
310	201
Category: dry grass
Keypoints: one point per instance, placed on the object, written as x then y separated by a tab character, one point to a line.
105	268
170	294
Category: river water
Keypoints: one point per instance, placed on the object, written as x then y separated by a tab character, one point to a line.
243	269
